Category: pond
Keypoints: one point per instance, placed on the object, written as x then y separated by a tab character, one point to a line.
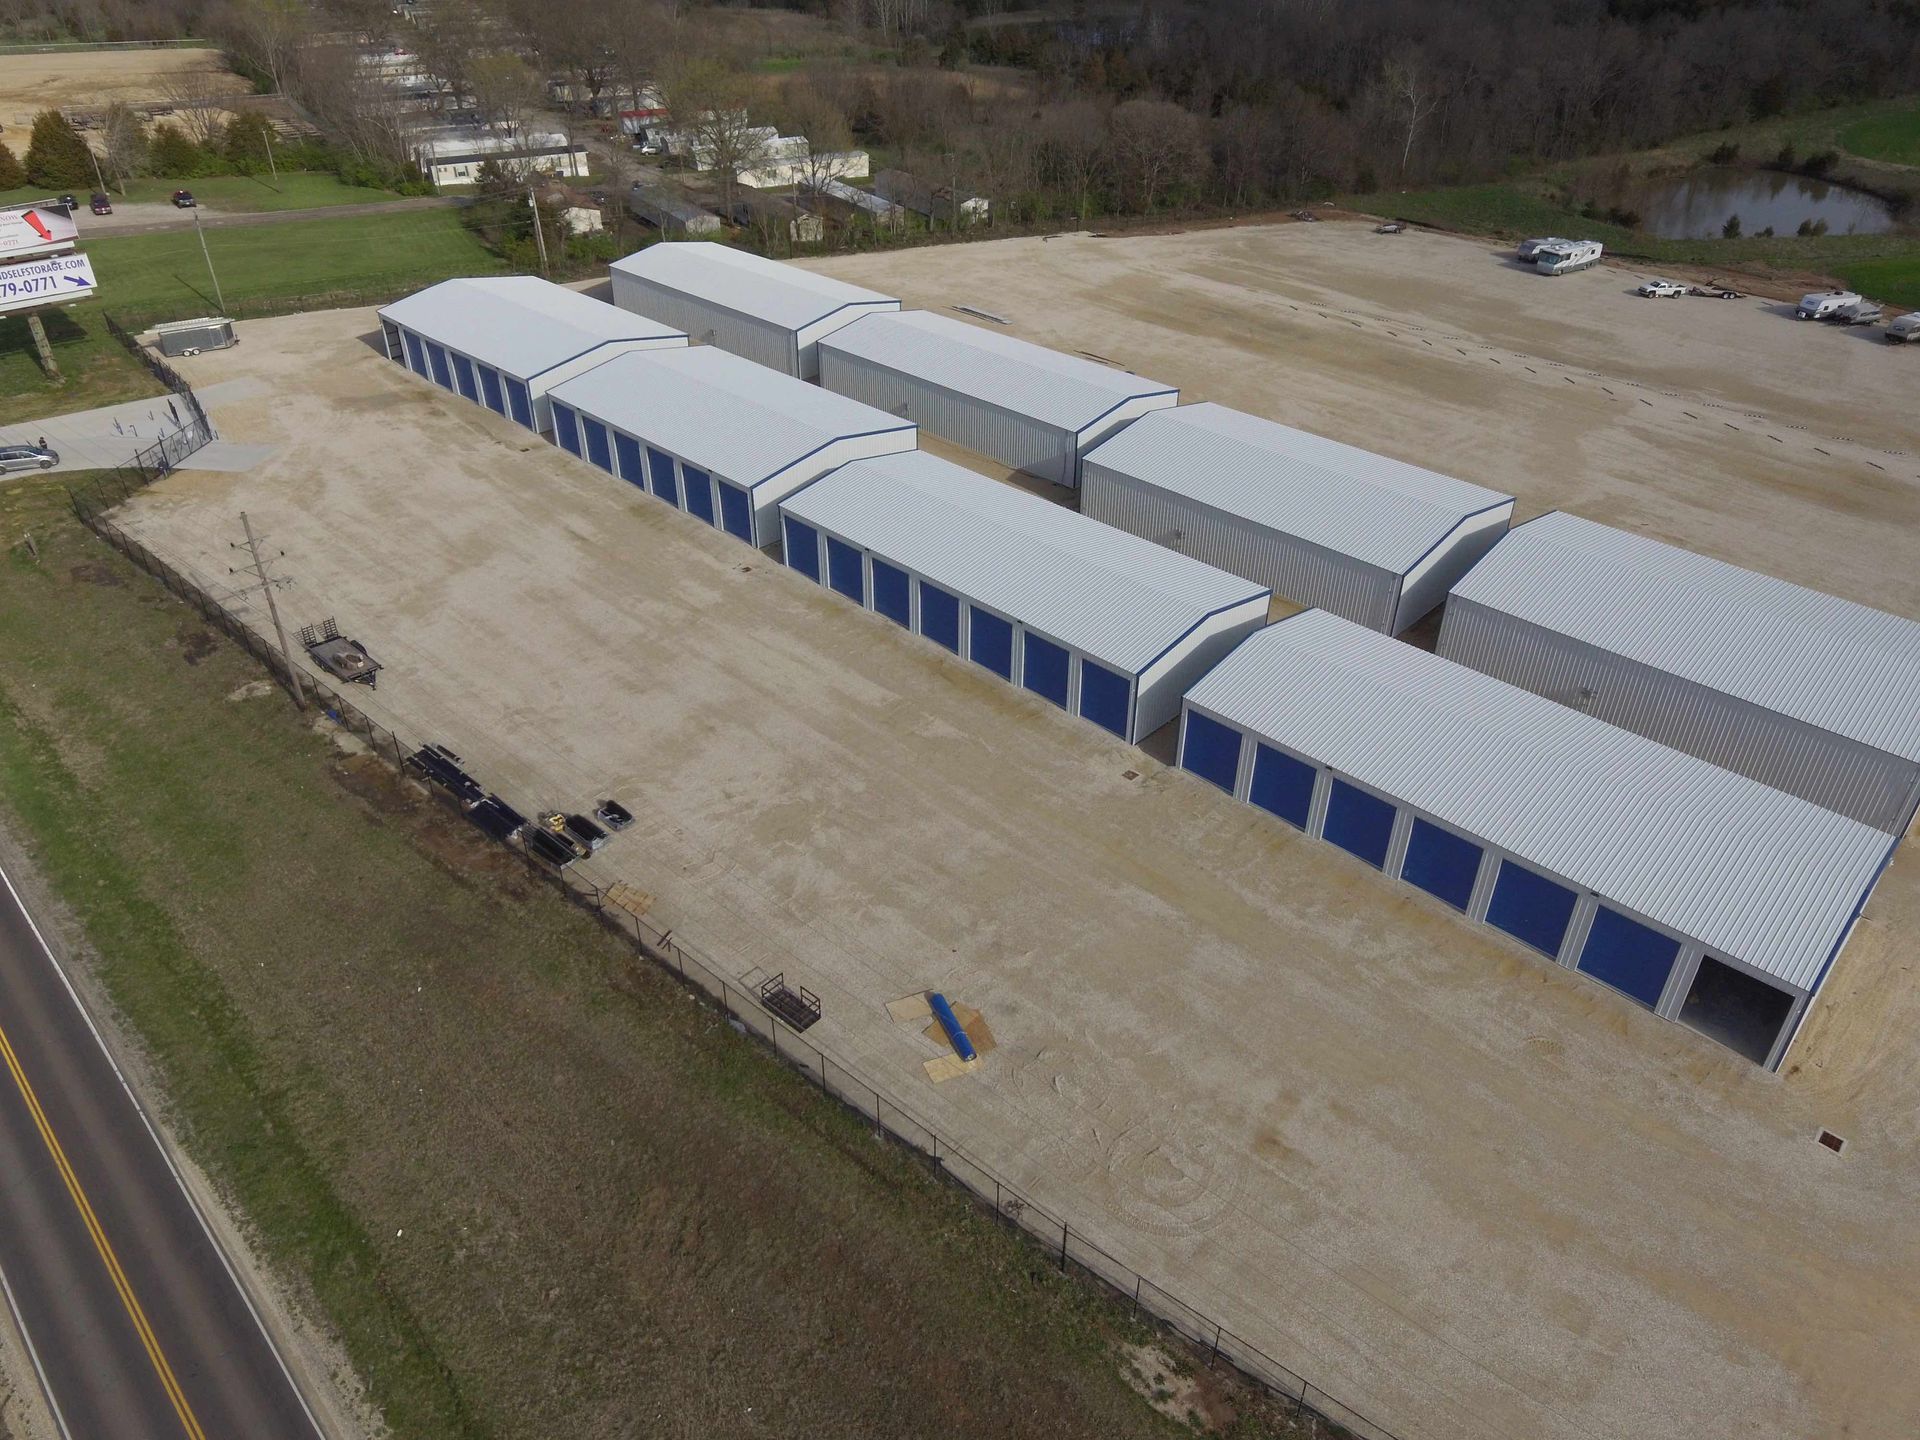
1697	204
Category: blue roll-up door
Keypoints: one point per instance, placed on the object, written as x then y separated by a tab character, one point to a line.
626	454
565	430
1045	668
463	377
1531	908
699	488
1634	959
892	593
1282	785
491	395
1104	696
803	547
665	483
940	616
597	450
990	641
519	402
1209	749
845	572
1441	863
416	354
1359	823
437	358
736	511
660	471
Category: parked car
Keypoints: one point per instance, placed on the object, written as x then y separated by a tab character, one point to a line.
1389	227
1823	303
1661	289
1903	329
27	457
100	204
69	203
1861	312
183	200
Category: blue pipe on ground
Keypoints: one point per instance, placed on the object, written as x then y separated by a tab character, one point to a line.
950	1022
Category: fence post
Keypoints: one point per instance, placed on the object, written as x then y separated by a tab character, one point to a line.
1063	1245
1216	1347
1136	1294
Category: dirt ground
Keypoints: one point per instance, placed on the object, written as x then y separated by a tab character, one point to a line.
89	81
1469	1194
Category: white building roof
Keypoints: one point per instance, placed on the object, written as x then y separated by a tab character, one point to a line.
1015	375
724	414
1383	512
782	295
1756	874
520	323
1828	662
1114	596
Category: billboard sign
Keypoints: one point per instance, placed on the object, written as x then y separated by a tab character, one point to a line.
48	281
35	230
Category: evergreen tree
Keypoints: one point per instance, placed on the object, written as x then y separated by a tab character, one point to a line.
172	154
12	177
57	157
246	142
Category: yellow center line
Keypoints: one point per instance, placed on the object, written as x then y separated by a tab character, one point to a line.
101	1243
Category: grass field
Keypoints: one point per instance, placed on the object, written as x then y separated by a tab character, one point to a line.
299	190
95	368
1893	137
535	1189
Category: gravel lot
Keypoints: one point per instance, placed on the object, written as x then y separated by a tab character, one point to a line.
1468	1194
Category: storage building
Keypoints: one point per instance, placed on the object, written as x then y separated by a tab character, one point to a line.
670	212
504	341
1033	408
1102	623
1326	525
719	437
1707	897
767	312
1803	691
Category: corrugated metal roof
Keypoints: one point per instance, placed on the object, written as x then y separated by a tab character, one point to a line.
1758	875
725	414
1825	661
1015	375
519	323
1380	511
1118	598
782	295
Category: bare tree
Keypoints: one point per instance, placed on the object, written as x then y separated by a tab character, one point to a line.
507	93
808	112
1074	153
708	102
123	143
1003	157
450	40
1417	95
199	98
369	117
1154	142
269	33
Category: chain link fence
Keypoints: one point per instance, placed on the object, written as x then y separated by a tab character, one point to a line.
1212	1343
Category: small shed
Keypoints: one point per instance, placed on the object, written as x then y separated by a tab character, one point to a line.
1327	525
503	341
1035	409
765	311
670	212
1707	897
1801	690
1101	623
719	437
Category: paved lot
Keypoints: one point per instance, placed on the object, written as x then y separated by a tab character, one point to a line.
1469	1194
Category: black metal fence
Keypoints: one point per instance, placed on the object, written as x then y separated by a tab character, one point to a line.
195	429
1212	1342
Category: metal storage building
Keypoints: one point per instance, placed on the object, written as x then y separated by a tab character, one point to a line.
765	311
719	437
1803	691
670	212
504	341
1327	525
1708	897
1104	624
1033	408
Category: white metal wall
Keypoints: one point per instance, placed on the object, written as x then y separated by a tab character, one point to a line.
1829	770
760	341
1303	572
1427	583
1164	684
1017	440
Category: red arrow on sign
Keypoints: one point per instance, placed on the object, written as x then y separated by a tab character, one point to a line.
38	224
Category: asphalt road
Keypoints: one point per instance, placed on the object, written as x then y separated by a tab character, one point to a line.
149	219
136	1324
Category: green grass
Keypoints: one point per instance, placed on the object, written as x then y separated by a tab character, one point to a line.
1892	138
533	1189
295	190
95	368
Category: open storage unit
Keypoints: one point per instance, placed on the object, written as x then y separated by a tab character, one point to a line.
719	437
1709	898
1103	624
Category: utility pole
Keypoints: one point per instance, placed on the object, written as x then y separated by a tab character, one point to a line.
218	298
267	584
272	168
539	230
98	177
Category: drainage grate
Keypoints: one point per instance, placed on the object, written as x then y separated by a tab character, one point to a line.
1832	1141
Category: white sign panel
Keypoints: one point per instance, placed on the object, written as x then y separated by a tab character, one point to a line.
50	281
35	230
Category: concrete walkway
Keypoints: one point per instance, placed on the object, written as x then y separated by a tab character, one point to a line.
113	434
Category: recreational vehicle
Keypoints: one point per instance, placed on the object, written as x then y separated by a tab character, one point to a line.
1822	303
1528	250
1904	328
1561	257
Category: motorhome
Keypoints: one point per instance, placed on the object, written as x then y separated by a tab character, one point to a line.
1562	257
1527	250
1822	303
